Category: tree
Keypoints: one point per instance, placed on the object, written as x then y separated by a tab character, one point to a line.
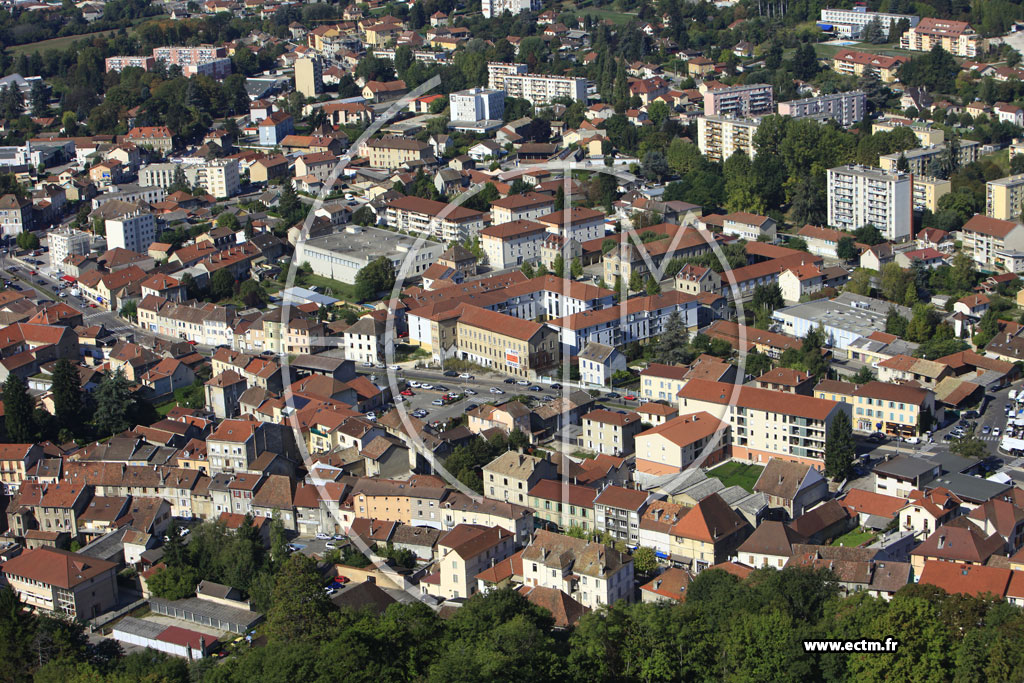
222	285
300	608
174	583
869	235
645	560
376	276
558	266
364	216
863	376
560	198
18	411
847	249
253	294
179	183
895	323
229	221
527	269
901	164
839	447
651	286
768	297
636	282
576	268
67	393
27	241
130	310
114	403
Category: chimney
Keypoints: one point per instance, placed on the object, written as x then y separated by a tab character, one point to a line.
942	541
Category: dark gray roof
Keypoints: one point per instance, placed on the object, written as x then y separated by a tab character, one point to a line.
969	489
905	467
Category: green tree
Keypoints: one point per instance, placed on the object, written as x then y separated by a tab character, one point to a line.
179	183
129	310
651	286
114	402
576	269
895	323
863	376
375	277
67	393
969	446
847	249
174	583
645	560
636	282
222	285
527	269
364	216
253	294
558	266
27	241
560	198
839	447
18	411
300	608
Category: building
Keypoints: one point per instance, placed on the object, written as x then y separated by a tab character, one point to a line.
464	552
846	108
62	582
341	255
159	138
598	362
718	136
845	319
926	133
708	534
539	90
130	227
563	505
1004	197
928	191
518	348
919	159
66	242
393	151
121	63
674	445
591	573
496	8
861	195
309	76
955	37
850	23
477	104
273	129
511	476
749	226
521	207
739	100
577	223
433	219
365	340
989	240
792	487
15	215
764	423
610	432
854	63
219	177
200	60
513	243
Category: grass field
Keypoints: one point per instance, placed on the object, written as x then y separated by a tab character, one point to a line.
737	474
1000	159
598	13
65	42
165	407
339	290
888	49
854	538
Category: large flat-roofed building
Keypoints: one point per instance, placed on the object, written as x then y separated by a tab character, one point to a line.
765	424
845	319
955	37
928	191
718	137
66	242
920	158
539	89
1003	197
850	23
846	108
435	219
861	195
199	60
739	100
923	130
340	256
477	104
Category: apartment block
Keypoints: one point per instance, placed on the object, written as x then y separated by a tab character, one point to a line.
988	240
538	89
219	177
861	195
610	432
309	76
893	409
928	191
200	60
496	8
66	242
926	133
919	159
563	505
62	582
846	108
765	423
850	23
674	445
854	63
718	137
394	151
591	573
508	245
133	228
1003	197
521	207
123	62
739	100
435	219
518	348
477	104
618	511
162	174
955	37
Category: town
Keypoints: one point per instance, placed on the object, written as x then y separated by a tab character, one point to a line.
512	339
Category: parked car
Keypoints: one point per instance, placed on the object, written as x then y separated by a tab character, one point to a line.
996	431
407	392
428	387
496	390
470	392
523	382
556	387
509	380
321	536
414	384
986	429
535	388
466	375
450	373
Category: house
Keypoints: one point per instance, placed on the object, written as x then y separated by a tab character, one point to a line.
507	417
560	505
677	443
957	541
463	552
618	510
591	573
598	362
923	513
973	305
771	545
793	487
787	380
708	534
903	474
274	128
64	583
512	475
609	431
874	257
670	584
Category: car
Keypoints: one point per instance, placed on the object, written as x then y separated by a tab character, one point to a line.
556	387
90	305
428	387
470	392
523	382
509	380
450	373
321	536
466	375
184	531
437	402
191	342
394	367
372	417
535	388
293	548
986	429
338	537
331	545
629	397
367	364
330	590
440	387
407	392
947	437
972	414
381	366
40	281
496	390
613	394
414	384
996	431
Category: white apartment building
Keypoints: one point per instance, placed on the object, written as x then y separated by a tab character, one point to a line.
433	219
66	242
477	104
521	207
862	195
496	8
718	137
508	245
162	174
219	177
846	108
134	229
539	89
203	60
739	100
340	256
850	23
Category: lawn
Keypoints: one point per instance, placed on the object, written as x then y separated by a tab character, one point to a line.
64	42
165	407
826	51
1000	159
737	474
600	13
339	290
855	538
